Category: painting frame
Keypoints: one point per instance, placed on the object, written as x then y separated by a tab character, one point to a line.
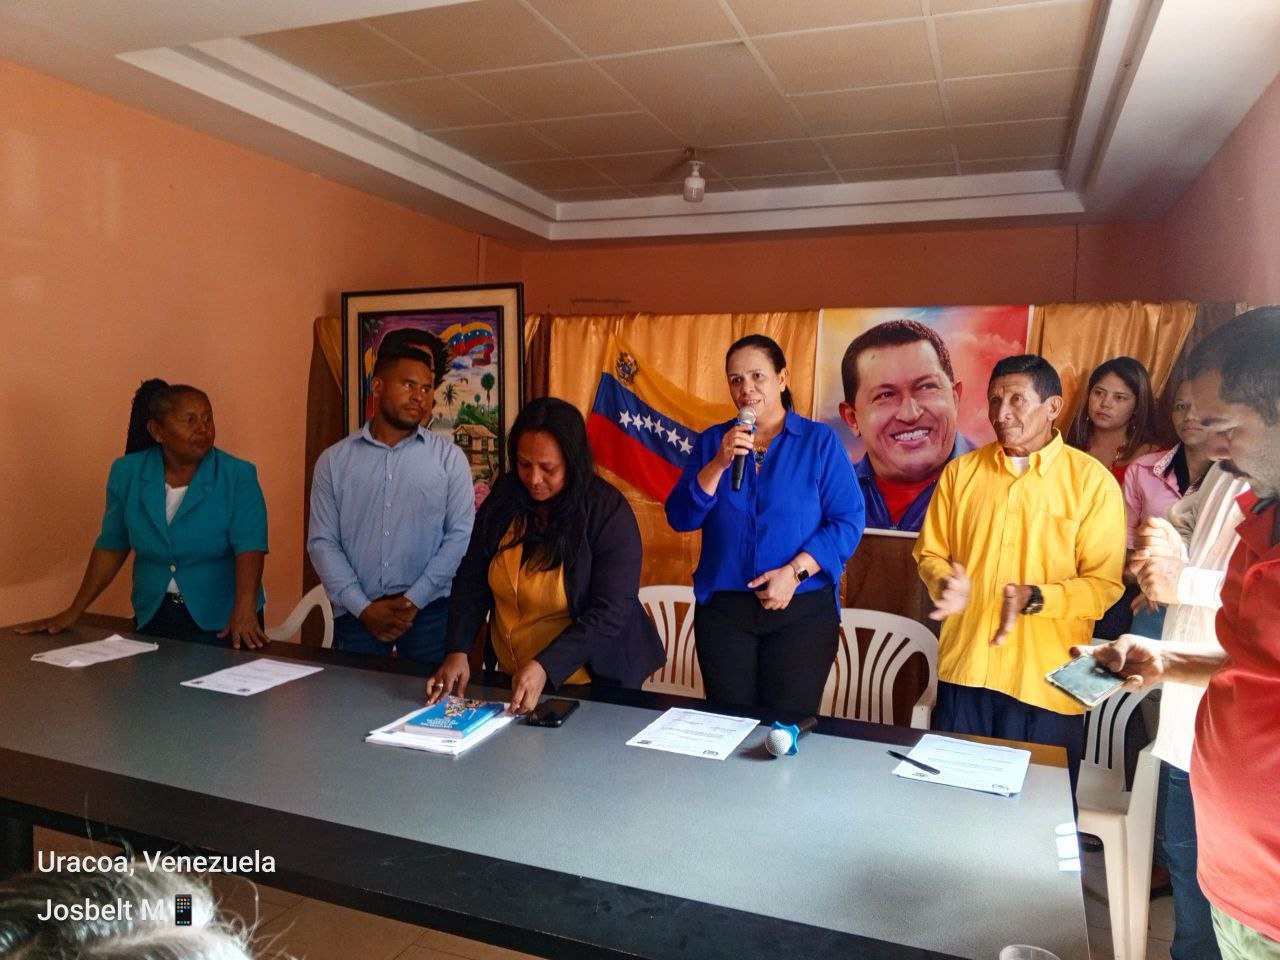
366	314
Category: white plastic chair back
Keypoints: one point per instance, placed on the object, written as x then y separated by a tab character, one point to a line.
315	597
670	606
863	689
1104	729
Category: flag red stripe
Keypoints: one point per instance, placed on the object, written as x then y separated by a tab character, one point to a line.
630	459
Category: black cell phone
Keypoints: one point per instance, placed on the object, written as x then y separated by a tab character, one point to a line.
182	910
551	713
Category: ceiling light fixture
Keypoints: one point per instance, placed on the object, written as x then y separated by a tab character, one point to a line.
694	185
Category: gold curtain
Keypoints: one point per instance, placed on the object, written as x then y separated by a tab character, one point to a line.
689	350
1076	337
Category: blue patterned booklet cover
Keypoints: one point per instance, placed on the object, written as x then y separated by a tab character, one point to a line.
453	717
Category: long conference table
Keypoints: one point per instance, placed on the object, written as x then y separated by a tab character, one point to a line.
564	843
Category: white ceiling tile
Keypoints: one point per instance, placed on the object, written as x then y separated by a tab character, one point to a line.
430	104
543	93
1018	96
871	110
599	27
1037	36
344	54
481	35
707	95
778	16
498	144
617	133
851	57
554	174
1030	138
888	149
765	159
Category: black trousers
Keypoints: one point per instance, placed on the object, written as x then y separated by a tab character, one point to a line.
778	659
989	713
174	621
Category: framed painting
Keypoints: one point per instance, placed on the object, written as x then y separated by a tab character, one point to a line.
474	335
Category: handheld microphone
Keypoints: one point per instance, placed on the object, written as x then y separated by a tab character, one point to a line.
783	738
746	418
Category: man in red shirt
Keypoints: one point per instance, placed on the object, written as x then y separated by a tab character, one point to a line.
1235	766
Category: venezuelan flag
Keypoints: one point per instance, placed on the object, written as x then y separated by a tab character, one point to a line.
642	426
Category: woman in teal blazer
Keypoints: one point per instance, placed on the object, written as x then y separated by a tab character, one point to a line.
195	520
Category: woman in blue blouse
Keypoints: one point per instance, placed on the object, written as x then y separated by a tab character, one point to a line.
767	619
195	519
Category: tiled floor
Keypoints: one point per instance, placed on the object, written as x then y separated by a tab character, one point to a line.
1159	922
286	924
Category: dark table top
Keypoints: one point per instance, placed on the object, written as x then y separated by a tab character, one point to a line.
561	842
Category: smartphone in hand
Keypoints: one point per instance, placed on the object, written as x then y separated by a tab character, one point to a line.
1085	680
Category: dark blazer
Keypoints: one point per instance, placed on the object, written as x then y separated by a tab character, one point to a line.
611	635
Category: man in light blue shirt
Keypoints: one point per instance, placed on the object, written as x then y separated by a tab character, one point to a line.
391	512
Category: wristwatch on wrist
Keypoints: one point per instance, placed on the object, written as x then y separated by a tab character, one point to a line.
801	573
1036	603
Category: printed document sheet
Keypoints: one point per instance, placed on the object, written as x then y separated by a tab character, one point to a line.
114	647
974	766
253	677
694	734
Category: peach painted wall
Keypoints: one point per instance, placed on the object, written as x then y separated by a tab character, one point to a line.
132	247
1223	235
985	265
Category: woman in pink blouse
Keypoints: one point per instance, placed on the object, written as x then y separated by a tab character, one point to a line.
1155	482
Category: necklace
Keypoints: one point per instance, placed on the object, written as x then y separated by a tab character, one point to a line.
761	447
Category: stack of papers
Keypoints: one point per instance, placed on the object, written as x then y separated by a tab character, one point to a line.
984	767
694	734
393	735
114	647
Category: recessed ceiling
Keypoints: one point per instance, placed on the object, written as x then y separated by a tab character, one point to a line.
570	119
767	99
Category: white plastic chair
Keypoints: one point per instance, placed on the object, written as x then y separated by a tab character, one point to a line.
680	674
315	597
1124	820
864	691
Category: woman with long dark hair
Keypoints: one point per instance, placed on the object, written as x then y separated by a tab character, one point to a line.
1116	422
554	561
774	545
193	516
1156	481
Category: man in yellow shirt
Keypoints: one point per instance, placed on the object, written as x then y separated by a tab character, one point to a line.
1022	550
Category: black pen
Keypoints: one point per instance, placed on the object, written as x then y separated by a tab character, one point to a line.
915	763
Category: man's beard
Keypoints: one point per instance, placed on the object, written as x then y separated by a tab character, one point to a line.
1260	488
399	422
